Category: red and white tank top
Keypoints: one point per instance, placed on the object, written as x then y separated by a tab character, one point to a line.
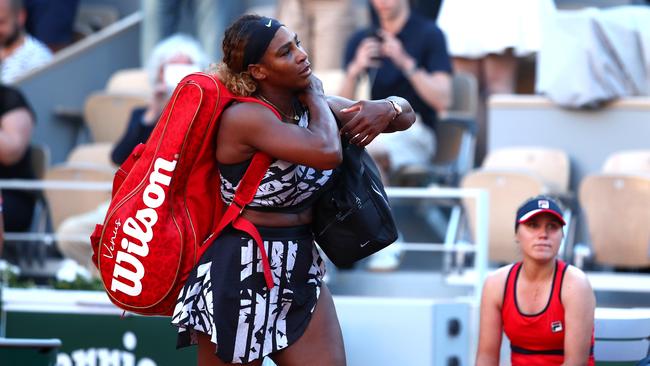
536	339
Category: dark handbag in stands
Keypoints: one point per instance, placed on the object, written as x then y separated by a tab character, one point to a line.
352	219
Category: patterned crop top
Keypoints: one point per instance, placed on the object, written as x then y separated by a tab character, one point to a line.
286	187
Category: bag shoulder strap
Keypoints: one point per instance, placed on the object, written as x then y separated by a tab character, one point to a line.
246	190
244	195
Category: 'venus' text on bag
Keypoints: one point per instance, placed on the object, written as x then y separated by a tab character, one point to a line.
138	232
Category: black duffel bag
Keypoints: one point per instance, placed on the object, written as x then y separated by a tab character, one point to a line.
352	219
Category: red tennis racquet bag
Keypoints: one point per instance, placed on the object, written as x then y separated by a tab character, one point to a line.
166	205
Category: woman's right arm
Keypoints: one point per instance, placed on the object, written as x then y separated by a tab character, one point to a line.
491	325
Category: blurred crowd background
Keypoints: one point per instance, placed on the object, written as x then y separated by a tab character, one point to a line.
514	97
517	97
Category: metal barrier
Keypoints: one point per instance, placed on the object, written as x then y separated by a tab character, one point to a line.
480	247
444	324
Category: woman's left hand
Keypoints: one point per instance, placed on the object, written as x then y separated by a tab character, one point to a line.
372	117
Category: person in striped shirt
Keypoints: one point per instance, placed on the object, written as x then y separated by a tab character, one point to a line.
20	52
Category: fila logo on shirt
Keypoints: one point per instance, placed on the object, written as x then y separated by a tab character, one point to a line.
556	326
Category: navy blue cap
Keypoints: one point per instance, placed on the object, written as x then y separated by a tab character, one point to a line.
536	206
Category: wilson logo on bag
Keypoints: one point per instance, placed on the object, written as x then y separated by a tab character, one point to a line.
166	204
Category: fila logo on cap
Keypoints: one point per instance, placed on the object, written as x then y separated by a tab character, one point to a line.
542	204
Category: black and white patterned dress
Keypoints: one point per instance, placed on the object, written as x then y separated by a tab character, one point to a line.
226	296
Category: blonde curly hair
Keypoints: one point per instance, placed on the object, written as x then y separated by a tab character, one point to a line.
240	83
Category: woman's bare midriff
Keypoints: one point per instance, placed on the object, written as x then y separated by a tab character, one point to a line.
278	219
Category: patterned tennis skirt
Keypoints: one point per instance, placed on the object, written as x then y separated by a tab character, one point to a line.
226	296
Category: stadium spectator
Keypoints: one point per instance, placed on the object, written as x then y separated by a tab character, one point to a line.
51	21
545	306
321	24
486	39
172	59
16	124
20	51
403	54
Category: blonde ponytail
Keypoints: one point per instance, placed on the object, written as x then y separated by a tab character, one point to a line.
238	83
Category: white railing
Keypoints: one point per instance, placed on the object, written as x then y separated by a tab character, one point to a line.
480	247
36	185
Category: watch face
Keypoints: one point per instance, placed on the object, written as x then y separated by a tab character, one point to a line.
398	108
